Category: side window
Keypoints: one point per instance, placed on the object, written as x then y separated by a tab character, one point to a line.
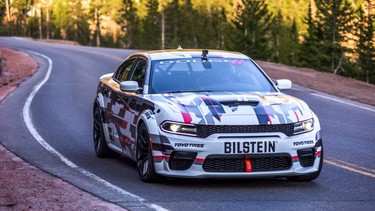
124	70
139	72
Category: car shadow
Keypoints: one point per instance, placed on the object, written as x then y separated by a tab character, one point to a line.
223	183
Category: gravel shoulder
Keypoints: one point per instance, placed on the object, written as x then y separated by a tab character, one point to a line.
25	187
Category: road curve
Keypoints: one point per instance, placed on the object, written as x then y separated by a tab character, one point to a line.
61	114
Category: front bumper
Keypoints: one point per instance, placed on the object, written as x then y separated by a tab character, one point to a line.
237	155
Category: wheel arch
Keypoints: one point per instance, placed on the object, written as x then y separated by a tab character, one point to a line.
99	101
147	117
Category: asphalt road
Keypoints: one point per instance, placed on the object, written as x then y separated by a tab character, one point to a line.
61	113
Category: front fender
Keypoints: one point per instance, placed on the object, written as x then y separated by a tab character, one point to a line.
99	100
148	118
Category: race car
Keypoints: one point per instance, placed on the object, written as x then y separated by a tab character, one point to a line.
204	114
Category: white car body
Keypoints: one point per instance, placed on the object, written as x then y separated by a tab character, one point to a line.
205	133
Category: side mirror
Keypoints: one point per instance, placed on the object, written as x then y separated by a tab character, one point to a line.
283	84
129	86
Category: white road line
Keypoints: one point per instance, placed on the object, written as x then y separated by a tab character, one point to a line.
344	102
30	126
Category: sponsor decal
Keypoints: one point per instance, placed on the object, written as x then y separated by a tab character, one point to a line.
218	60
189	145
301	143
250	147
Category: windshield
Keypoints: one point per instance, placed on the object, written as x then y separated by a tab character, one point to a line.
214	74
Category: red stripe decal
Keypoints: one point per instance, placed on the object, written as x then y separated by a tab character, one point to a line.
213	106
268	116
217	113
185	115
199	160
294	157
318	153
161	156
295	113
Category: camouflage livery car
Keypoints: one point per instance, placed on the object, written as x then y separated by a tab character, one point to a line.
204	114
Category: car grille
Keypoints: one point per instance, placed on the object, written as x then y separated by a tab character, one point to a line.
236	163
177	164
207	130
181	160
306	157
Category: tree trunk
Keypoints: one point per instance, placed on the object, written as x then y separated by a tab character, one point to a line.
97	22
47	20
40	22
334	40
8	10
162	31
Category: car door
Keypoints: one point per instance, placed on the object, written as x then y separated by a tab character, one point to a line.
129	114
115	110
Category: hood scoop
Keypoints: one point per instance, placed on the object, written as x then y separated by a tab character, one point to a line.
240	103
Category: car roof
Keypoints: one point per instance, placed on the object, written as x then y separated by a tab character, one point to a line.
189	53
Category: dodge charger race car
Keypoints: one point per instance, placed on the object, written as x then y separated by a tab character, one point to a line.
204	114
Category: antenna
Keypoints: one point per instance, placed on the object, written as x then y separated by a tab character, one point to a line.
204	54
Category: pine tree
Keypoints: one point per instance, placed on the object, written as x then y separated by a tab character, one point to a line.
335	19
77	28
277	31
250	34
95	13
152	27
187	25
172	25
21	8
294	44
311	48
2	10
365	44
60	18
130	23
219	27
212	26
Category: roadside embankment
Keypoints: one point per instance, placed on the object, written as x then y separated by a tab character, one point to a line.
16	67
322	81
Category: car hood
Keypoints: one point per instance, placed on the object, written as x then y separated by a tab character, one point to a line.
235	108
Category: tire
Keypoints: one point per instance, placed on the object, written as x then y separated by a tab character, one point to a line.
145	162
309	177
100	144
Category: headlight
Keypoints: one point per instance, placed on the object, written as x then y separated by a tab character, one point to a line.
303	127
179	128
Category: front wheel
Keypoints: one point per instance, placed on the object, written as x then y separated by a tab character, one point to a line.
145	162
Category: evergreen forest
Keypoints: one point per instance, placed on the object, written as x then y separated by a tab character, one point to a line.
335	36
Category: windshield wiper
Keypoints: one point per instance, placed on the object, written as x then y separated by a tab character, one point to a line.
182	91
